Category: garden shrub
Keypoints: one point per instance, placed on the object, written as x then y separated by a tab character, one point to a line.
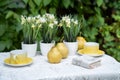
101	21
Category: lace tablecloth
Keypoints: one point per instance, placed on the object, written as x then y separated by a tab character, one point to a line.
42	70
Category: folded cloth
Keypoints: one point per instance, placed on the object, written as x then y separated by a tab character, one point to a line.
86	61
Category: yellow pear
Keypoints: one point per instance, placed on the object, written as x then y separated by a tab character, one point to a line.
54	56
81	42
62	49
12	60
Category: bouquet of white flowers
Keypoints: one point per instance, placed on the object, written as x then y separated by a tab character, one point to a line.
71	28
31	26
49	27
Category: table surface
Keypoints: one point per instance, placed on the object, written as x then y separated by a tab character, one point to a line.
42	70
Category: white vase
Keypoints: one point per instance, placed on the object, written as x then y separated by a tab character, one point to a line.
72	47
30	48
45	47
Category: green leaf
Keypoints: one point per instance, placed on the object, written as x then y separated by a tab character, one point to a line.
98	10
55	3
118	33
99	2
101	20
118	56
2	45
31	4
25	1
52	10
87	2
109	38
46	2
37	2
15	4
4	2
16	16
2	29
43	11
66	3
8	43
116	17
9	14
18	28
72	4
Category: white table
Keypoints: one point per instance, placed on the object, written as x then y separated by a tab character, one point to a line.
42	70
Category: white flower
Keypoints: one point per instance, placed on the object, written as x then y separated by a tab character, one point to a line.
55	22
33	26
38	21
38	16
68	25
72	20
33	19
65	18
42	19
23	20
29	19
60	24
51	25
40	25
51	17
67	21
76	22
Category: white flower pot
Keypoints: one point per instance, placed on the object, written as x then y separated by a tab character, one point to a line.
45	47
72	47
30	48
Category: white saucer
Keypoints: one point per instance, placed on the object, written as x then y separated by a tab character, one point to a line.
18	65
100	53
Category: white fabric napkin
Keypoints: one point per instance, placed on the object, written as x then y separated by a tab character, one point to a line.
86	61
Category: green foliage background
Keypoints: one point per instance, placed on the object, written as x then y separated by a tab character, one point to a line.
101	20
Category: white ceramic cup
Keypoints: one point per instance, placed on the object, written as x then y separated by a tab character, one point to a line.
17	56
91	47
